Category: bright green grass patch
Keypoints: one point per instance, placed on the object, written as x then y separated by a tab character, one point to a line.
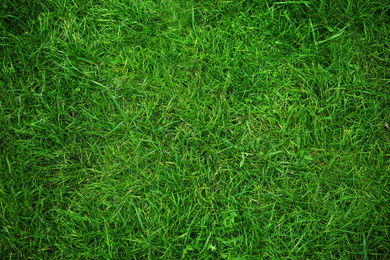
194	129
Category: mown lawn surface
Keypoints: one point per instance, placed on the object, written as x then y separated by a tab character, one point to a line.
169	129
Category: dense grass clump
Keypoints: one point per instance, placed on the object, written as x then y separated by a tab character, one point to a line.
167	129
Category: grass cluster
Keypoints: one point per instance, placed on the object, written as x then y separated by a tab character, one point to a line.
169	129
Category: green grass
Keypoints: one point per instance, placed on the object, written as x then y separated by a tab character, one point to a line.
167	129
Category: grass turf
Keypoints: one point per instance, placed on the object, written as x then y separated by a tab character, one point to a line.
194	129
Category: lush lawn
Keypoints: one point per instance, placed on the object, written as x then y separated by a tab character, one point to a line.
168	129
